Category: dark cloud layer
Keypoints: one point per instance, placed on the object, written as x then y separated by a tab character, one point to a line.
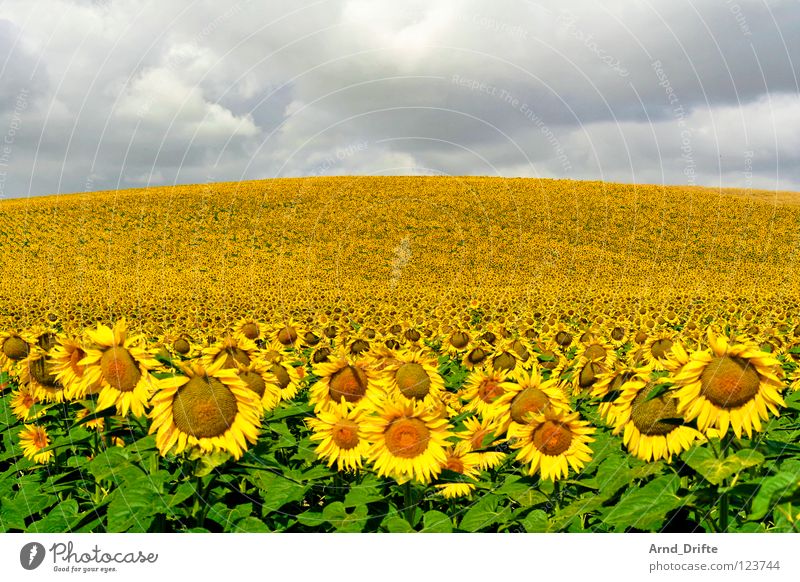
105	94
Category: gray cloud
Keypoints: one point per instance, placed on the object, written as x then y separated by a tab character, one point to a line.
129	93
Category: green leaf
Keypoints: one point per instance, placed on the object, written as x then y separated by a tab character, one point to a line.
227	517
522	491
565	516
209	462
771	491
132	509
277	491
311	518
183	492
250	524
293	409
613	474
108	463
344	521
536	522
436	522
656	391
12	515
484	513
714	470
647	507
363	494
58	520
394	524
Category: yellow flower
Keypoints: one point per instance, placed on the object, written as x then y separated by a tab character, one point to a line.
33	440
209	409
341	432
652	429
412	377
22	403
552	443
477	437
121	366
343	379
407	441
465	464
729	385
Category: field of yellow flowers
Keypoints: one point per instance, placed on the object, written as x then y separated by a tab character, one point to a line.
401	354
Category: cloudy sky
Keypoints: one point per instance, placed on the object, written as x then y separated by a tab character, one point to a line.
103	94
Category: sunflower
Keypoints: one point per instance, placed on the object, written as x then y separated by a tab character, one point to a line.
341	432
33	439
232	351
22	403
482	389
586	371
210	408
465	464
311	338
456	342
618	336
652	429
121	367
342	378
262	381
528	395
609	385
563	335
408	441
358	344
36	370
13	348
413	377
380	357
274	351
97	424
288	333
451	403
731	384
178	345
478	436
65	357
505	357
548	357
287	378
521	346
476	355
657	349
553	442
249	328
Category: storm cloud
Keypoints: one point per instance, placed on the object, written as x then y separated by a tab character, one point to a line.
108	94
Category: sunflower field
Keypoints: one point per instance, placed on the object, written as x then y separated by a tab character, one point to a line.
399	354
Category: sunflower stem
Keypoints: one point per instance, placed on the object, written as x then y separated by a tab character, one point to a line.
206	493
556	495
723	512
724	500
408	502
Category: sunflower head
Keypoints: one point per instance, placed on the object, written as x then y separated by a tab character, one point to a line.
34	440
209	409
412	376
343	441
732	384
408	441
553	442
649	418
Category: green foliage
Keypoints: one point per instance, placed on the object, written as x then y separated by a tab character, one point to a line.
116	481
